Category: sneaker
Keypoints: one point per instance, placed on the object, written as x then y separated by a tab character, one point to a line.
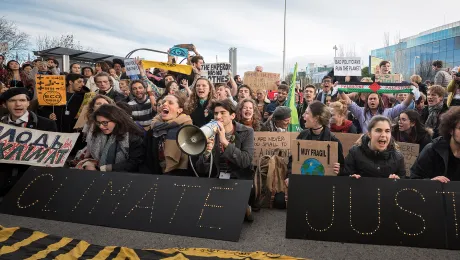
248	217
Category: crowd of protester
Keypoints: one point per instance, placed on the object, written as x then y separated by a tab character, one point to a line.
131	125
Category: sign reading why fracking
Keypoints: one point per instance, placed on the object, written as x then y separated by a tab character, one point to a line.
344	66
51	90
20	145
314	157
216	72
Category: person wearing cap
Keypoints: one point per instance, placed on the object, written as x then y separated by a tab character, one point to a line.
16	100
279	120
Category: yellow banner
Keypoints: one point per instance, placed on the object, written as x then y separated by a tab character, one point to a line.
184	69
51	90
88	97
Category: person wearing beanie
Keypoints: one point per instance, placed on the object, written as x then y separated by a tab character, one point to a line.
279	120
16	100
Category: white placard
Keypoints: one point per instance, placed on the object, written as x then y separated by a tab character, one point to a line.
131	67
346	66
216	72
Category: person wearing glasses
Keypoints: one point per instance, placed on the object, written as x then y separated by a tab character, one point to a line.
327	94
116	144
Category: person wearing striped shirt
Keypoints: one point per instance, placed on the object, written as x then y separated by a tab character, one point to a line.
143	103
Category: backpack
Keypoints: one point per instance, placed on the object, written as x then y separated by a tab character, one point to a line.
270	188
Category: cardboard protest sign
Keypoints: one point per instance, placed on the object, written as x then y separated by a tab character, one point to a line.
184	69
410	152
261	80
388	78
20	145
265	143
314	157
131	67
347	140
51	90
346	66
196	207
216	72
178	51
374	63
81	121
3	47
88	97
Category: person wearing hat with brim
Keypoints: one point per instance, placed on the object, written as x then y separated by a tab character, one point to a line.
16	100
278	121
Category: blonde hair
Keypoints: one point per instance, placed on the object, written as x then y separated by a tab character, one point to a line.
339	107
416	78
366	79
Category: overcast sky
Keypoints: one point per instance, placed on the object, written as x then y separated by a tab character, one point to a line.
255	27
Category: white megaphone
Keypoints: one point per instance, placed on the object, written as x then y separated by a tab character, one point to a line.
193	140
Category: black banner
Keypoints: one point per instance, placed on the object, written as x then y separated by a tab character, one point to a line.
419	213
188	206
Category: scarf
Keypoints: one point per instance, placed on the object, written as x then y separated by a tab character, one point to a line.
344	128
433	116
107	150
160	127
247	123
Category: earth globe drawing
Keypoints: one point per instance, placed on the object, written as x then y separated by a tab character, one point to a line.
312	167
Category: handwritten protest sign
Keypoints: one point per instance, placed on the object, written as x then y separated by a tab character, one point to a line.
51	90
88	97
81	121
3	47
314	157
265	143
388	78
261	80
346	66
347	140
216	72
410	152
178	51
20	145
131	67
184	69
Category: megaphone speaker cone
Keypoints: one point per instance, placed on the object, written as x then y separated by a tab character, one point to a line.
191	140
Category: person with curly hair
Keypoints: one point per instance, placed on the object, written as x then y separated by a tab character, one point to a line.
440	159
247	113
198	104
410	129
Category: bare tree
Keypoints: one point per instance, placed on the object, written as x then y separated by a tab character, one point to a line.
45	42
18	42
425	71
386	43
341	51
351	50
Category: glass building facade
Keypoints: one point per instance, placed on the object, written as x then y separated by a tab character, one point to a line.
441	43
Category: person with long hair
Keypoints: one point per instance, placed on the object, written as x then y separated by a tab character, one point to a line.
116	144
197	105
410	129
317	117
440	159
163	155
17	78
339	121
247	113
262	101
376	153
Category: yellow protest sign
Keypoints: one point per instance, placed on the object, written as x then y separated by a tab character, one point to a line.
51	90
314	157
184	69
88	97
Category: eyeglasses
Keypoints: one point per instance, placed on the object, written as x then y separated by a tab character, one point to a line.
103	123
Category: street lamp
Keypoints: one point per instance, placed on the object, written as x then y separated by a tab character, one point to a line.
335	50
284	44
414	62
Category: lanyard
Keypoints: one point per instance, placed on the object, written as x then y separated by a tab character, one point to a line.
68	102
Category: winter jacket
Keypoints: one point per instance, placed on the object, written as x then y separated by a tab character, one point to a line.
432	161
442	78
424	116
201	115
363	161
365	118
422	140
326	135
238	155
452	90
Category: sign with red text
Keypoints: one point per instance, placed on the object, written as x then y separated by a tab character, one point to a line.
19	145
197	207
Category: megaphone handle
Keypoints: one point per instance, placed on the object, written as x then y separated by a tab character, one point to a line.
217	145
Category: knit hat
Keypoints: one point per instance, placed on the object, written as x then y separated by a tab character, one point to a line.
14	92
281	113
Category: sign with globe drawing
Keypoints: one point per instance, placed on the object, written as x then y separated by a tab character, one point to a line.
314	157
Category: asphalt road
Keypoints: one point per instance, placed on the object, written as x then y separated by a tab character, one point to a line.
266	233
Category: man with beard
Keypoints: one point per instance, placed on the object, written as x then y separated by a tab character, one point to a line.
142	106
431	114
238	80
308	97
283	91
279	121
244	91
440	160
328	93
64	116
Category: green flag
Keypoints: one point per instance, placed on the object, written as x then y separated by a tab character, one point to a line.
294	126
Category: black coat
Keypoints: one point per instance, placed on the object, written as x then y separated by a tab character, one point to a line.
363	161
424	116
423	140
432	161
326	135
201	115
135	155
